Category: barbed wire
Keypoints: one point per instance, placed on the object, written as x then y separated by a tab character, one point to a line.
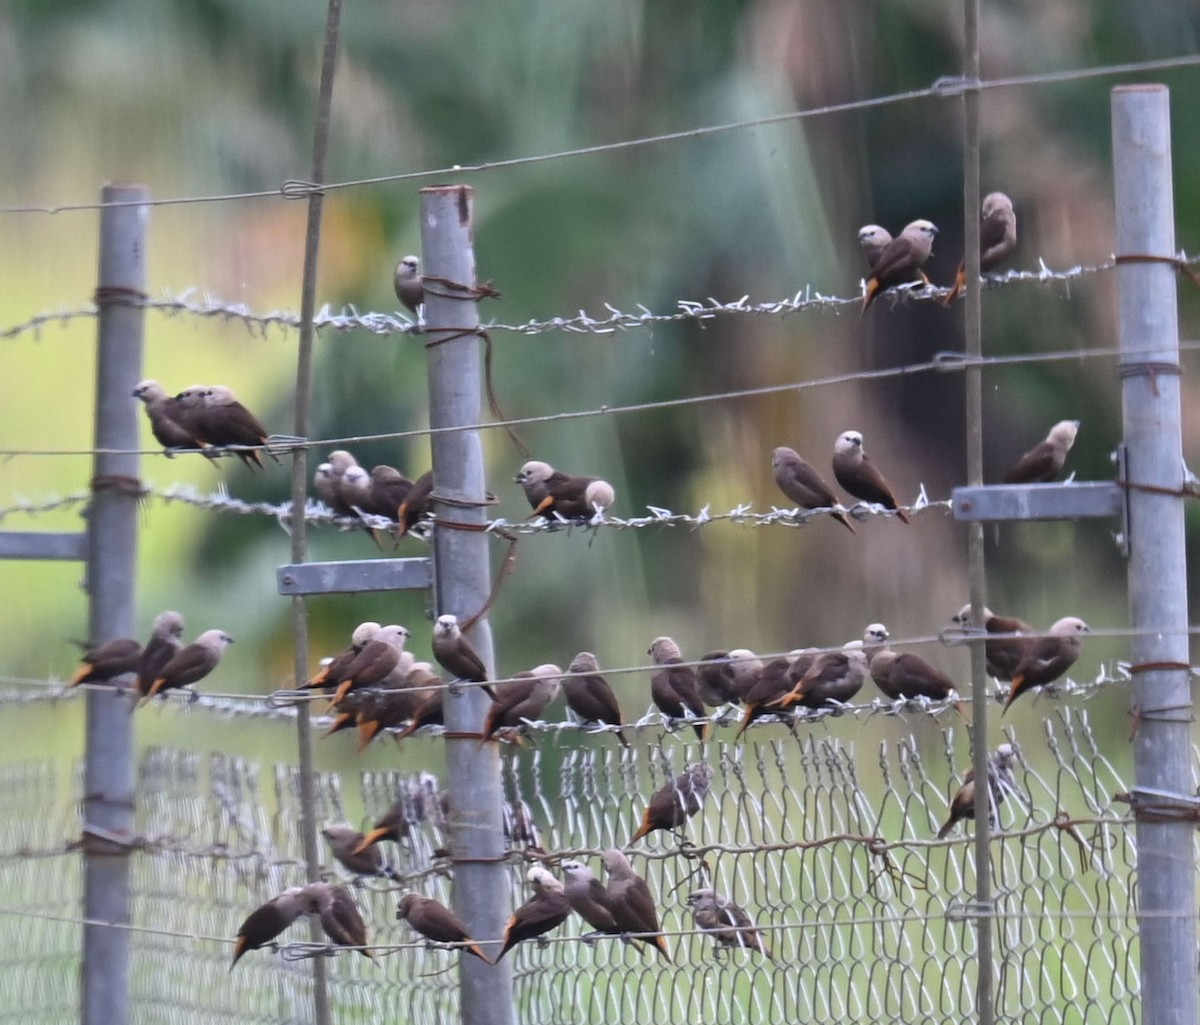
946	87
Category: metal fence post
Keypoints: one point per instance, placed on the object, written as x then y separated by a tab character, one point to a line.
463	581
111	566
1153	455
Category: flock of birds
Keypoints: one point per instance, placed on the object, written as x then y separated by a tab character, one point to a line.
376	684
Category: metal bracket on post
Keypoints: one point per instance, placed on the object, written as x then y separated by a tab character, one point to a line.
38	545
997	502
415	574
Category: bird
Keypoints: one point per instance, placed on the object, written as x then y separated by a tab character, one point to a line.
902	676
417	505
1001	781
166	641
874	240
378	657
219	419
858	476
745	666
191	664
673	686
454	653
437	922
331	674
406	279
547	909
588	898
726	922
671	806
107	661
347	845
997	239
389	490
408	807
589	695
525	696
631	902
803	485
771	685
1047	658
340	917
1004	653
1042	463
268	920
328	481
166	418
552	492
324	485
833	676
389	705
901	259
716	682
428	693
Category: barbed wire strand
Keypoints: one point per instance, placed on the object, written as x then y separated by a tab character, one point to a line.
942	88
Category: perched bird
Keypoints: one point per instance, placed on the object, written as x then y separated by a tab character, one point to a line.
417	505
525	696
191	664
746	667
354	488
833	676
340	917
331	675
673	686
390	705
1003	653
630	901
726	922
671	806
874	240
903	675
454	653
437	922
1047	658
1042	463
547	909
220	419
324	485
107	661
406	279
1001	782
772	684
901	259
389	491
855	472
552	492
589	696
428	693
802	485
166	418
716	682
349	848
588	898
408	807
268	920
166	641
378	657
328	481
997	238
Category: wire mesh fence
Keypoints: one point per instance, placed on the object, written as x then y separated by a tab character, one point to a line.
827	843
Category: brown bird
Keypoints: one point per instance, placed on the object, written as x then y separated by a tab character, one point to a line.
454	653
1047	658
588	898
770	687
802	485
107	661
328	481
377	659
191	664
589	696
672	805
1001	782
902	676
716	682
428	693
547	909
354	488
673	687
418	505
726	922
348	847
389	490
166	641
857	475
900	261
406	279
332	674
1042	463
631	902
1003	654
997	238
437	922
166	418
746	667
874	240
219	419
552	492
268	920
391	705
323	484
410	806
833	676
340	917
525	696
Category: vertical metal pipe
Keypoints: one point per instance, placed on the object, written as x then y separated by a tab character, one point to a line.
463	583
111	568
1150	393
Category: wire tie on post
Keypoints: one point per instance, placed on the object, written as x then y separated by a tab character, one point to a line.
121	484
1151	805
1173	261
119	295
295	188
